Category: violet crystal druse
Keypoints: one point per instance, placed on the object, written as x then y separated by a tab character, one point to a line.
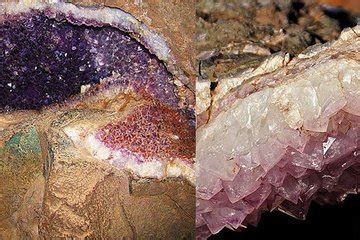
101	96
46	60
61	54
280	139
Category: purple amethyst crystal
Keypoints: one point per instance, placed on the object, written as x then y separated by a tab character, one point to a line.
46	60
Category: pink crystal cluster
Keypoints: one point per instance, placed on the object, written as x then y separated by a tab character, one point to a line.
294	140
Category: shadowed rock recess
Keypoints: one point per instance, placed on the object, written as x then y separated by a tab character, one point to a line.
97	129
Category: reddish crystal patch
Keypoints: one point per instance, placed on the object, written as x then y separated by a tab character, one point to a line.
152	131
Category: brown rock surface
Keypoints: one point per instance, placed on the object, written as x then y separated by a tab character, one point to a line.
233	36
57	190
84	197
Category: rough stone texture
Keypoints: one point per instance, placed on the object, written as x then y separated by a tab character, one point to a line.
281	139
20	164
74	193
233	36
82	196
86	198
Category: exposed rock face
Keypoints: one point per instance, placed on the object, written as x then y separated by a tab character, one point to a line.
281	139
96	127
233	36
21	164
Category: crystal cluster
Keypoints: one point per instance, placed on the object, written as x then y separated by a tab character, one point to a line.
148	139
46	59
99	83
151	132
283	139
100	58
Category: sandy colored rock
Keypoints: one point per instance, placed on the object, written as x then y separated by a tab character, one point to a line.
20	165
226	28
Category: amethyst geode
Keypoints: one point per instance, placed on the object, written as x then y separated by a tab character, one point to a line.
47	55
282	139
96	95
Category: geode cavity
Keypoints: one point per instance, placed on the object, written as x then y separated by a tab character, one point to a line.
47	55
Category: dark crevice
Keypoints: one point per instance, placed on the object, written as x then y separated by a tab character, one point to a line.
294	12
213	85
322	222
344	18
